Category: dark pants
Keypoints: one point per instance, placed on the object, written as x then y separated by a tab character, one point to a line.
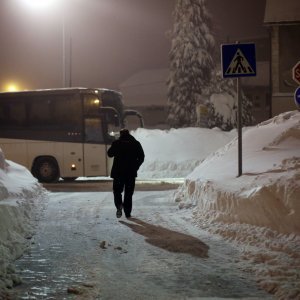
118	187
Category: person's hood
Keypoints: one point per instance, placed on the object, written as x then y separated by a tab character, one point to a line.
127	137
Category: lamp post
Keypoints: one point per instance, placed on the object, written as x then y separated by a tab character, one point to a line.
66	49
64	62
38	5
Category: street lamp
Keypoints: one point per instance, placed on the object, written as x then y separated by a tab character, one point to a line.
38	5
11	87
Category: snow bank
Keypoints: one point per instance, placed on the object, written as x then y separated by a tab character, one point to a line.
19	194
267	194
260	210
175	153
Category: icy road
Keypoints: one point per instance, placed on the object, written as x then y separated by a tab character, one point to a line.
82	251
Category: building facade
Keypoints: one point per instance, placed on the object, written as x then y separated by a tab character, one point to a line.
283	21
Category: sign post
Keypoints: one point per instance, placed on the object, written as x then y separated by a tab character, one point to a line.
297	97
239	128
296	77
238	60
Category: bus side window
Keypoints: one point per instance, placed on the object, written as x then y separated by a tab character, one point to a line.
66	110
17	114
39	113
93	130
12	113
4	114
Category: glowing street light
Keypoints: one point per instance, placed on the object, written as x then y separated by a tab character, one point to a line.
37	5
11	87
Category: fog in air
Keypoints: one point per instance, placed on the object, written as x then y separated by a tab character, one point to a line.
110	39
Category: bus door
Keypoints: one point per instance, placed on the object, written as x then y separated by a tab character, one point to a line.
94	148
72	158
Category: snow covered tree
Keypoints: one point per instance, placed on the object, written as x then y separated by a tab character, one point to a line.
191	60
222	104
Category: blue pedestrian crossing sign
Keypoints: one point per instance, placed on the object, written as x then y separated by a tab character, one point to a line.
238	60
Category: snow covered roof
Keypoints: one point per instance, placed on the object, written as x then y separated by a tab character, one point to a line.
144	88
278	11
146	77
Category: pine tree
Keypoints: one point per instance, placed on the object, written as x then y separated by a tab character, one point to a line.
190	60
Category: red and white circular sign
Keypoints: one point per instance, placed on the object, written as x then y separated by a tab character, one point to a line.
296	72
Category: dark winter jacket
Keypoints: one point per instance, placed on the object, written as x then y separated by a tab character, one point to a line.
128	156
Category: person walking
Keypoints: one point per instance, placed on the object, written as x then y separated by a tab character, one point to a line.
128	156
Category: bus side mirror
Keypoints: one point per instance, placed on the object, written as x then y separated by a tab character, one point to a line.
110	115
130	112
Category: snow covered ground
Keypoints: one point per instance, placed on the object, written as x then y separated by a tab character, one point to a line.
259	211
176	152
19	194
268	192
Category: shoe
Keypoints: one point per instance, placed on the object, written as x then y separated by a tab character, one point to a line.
128	216
119	213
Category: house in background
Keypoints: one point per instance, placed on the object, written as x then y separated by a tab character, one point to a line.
283	20
146	92
271	91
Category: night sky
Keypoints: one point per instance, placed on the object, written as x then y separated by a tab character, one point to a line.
111	39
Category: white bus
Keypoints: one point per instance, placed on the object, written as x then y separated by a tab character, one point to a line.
61	132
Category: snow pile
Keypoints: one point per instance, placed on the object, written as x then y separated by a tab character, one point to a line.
260	210
176	152
19	193
268	190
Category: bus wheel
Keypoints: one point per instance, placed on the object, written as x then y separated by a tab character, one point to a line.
45	169
68	179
